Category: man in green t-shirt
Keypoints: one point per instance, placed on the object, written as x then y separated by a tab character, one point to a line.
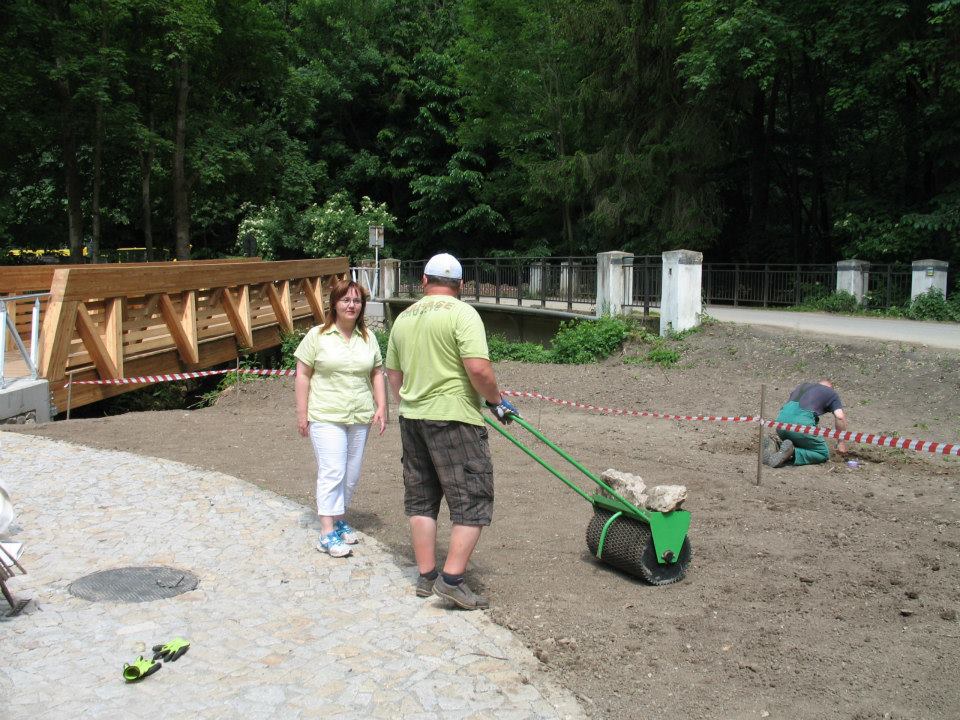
439	367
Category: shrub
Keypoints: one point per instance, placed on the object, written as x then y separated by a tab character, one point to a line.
664	356
584	341
383	339
332	229
337	228
576	342
288	345
954	302
502	349
811	293
838	302
931	305
265	225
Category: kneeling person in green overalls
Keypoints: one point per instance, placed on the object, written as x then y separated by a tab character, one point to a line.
806	404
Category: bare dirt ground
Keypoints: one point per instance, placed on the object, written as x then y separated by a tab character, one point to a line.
826	592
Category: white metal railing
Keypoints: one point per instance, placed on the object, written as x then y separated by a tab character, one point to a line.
367	277
32	356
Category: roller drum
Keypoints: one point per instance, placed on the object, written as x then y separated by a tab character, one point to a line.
628	546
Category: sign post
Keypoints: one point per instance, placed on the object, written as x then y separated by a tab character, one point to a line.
376	242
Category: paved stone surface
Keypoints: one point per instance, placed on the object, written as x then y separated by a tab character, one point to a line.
278	630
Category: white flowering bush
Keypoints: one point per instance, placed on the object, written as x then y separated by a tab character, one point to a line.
336	228
266	226
333	229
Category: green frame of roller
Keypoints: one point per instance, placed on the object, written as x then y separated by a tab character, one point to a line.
668	530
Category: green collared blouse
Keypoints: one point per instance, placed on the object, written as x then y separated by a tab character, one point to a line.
340	388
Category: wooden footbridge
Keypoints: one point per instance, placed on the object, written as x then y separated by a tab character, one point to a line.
132	319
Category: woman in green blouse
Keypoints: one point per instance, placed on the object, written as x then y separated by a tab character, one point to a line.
340	392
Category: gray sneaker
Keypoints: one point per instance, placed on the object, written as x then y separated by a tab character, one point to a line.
771	446
460	595
424	586
783	455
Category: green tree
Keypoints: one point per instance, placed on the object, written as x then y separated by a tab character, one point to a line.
520	76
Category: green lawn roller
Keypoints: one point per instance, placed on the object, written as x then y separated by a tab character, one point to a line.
644	543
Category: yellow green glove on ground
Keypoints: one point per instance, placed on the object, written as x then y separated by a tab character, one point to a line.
168	652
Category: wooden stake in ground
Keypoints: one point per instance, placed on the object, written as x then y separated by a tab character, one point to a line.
69	393
763	410
236	386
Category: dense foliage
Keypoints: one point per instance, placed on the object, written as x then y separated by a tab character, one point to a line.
755	131
930	305
576	342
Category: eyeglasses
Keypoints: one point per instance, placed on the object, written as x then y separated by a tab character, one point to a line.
350	301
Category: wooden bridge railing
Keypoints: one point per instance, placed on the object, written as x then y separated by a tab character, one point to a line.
23	279
112	321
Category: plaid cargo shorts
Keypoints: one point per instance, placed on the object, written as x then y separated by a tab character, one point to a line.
447	459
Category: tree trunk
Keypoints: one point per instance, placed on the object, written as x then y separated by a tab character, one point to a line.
763	134
71	172
97	175
146	168
792	171
181	210
567	222
95	214
820	212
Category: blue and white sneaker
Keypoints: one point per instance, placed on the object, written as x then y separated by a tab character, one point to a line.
346	533
333	545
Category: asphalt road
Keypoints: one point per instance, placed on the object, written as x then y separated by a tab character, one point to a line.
932	334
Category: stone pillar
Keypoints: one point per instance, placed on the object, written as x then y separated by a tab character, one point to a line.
389	272
680	300
567	281
536	278
853	276
928	274
610	282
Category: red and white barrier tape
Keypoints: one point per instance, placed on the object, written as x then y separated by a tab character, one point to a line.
180	376
632	413
937	448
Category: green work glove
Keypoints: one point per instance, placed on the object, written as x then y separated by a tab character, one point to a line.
168	652
139	669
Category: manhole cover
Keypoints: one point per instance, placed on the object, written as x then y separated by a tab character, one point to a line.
134	584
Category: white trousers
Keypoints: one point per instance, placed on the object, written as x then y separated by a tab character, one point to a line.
339	451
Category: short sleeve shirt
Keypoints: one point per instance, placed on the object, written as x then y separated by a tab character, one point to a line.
340	388
428	343
816	398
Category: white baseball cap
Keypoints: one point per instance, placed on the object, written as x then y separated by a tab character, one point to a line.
444	266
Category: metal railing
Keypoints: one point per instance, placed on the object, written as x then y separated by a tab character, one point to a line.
367	277
642	281
888	286
8	326
571	282
556	282
766	284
